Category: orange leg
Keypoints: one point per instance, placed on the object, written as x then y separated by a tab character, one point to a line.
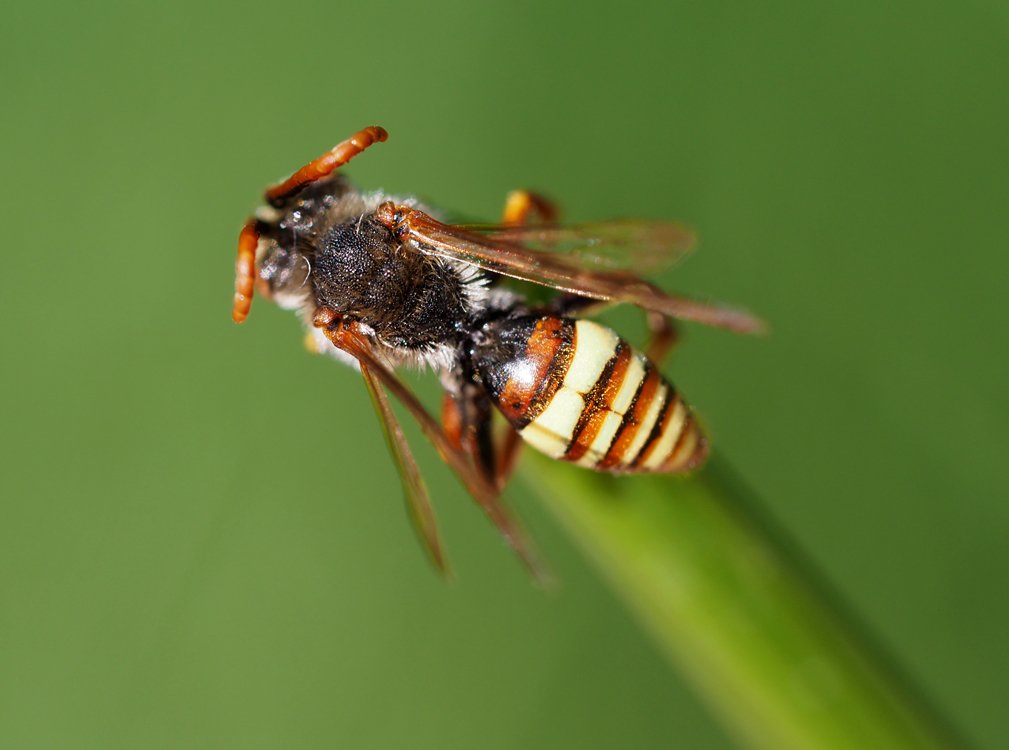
521	204
451	420
664	336
466	420
330	161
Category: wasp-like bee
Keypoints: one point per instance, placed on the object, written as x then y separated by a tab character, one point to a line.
381	283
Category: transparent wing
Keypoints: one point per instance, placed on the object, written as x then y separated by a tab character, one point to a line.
348	339
642	246
559	272
418	501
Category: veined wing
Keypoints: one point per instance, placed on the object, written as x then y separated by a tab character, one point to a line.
418	502
646	247
557	271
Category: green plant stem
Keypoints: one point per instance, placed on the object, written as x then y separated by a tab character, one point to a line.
738	611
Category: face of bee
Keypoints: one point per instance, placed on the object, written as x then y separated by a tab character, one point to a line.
283	275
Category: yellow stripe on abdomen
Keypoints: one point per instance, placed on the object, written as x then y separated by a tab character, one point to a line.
577	392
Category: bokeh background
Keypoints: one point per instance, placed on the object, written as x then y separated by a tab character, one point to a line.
202	542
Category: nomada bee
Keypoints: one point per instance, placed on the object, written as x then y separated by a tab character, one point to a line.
381	283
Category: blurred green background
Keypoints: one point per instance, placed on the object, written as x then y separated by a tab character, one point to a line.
202	541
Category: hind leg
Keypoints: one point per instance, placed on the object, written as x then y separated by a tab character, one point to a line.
468	421
521	204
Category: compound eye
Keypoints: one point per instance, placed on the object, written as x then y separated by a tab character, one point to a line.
283	271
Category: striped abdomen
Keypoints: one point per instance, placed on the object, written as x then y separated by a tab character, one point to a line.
578	392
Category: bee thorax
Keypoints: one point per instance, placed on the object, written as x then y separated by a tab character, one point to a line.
410	299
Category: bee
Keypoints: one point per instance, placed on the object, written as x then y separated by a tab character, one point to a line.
382	283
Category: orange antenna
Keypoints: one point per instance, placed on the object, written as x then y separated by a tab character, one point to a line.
245	271
336	157
333	159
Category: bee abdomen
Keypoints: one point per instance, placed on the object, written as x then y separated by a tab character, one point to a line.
578	392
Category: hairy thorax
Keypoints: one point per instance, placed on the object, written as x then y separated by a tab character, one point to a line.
408	298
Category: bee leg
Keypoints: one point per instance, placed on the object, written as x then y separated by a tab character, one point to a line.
508	456
311	344
325	165
466	419
451	420
664	335
521	204
463	417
